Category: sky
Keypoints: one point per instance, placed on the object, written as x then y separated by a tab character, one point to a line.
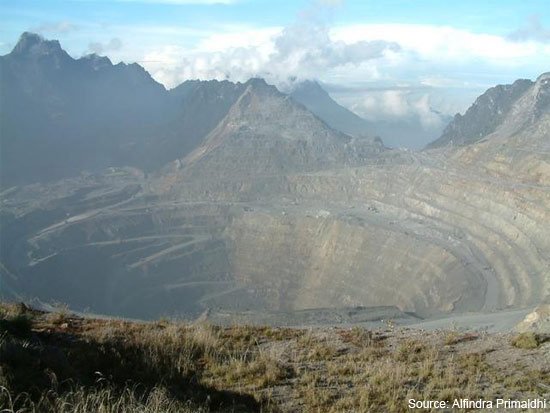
383	59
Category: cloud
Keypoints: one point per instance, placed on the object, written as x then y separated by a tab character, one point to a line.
312	48
429	118
391	105
439	42
237	55
306	50
99	48
532	30
303	50
56	27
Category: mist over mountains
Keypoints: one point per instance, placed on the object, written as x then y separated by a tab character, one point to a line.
227	197
405	132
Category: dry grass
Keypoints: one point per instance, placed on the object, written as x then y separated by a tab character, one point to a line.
100	399
111	365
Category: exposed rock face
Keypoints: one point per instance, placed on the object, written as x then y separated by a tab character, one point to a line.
484	116
266	132
274	210
518	149
538	321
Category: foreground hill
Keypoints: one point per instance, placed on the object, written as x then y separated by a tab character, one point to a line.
58	362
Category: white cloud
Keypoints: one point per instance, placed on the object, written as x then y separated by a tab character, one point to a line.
439	81
440	42
396	104
428	117
312	49
307	49
329	3
303	50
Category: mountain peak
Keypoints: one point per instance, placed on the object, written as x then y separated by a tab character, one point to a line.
316	99
32	44
309	89
258	84
257	81
97	62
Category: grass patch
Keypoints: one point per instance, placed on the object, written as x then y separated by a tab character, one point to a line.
527	341
82	365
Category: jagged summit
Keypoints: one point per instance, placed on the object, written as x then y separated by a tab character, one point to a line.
505	132
75	114
32	44
259	85
96	62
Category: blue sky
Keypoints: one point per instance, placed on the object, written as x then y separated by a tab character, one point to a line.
383	59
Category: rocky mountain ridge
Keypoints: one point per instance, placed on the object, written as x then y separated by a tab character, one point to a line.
484	116
98	113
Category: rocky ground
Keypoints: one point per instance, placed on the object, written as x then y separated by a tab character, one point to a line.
64	363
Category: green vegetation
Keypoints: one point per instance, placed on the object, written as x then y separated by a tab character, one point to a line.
527	340
54	363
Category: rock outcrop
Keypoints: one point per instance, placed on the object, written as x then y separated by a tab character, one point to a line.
538	321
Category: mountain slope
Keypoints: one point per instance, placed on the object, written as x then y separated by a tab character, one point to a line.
61	115
266	132
317	100
484	116
65	115
519	146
